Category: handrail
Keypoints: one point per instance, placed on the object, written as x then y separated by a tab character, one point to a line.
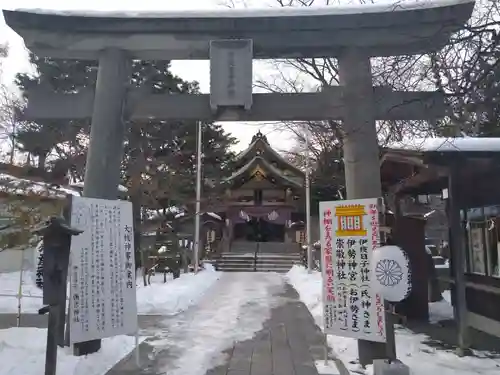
255	256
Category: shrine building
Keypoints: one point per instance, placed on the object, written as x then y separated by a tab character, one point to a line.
264	202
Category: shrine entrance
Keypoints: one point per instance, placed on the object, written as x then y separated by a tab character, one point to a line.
259	230
230	41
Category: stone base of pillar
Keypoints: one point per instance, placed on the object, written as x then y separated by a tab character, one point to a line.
383	367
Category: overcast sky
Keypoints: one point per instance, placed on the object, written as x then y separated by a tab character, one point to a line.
188	70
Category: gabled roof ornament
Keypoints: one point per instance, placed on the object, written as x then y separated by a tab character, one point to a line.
259	136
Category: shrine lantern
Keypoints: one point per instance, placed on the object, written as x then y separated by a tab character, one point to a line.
300	236
350	220
210	236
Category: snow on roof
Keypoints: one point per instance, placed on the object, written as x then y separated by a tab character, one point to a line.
263	12
155	214
268	147
266	164
470	144
121	188
19	186
214	215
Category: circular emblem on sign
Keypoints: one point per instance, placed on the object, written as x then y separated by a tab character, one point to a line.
388	272
391	273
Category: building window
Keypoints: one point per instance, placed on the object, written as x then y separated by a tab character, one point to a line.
483	237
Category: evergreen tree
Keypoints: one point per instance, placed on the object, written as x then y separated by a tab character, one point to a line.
41	138
168	148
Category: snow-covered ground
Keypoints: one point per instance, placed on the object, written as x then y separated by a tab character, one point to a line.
22	352
176	295
422	359
234	310
442	310
156	299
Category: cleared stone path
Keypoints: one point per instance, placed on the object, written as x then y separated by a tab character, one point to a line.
248	324
288	345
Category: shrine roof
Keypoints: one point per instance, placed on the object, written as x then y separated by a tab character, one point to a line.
261	139
403	28
260	161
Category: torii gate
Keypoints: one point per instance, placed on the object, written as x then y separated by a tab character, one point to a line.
230	40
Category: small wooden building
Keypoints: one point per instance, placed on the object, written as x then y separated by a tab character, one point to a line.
464	172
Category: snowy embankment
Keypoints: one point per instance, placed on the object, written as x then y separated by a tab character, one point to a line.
422	359
174	296
22	350
158	298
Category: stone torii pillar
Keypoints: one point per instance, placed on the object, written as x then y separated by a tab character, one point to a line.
361	160
107	134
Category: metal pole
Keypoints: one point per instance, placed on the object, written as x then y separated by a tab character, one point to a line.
51	351
308	205
198	200
20	291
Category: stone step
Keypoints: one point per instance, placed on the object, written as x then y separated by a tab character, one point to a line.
258	261
265	262
278	270
261	255
258	264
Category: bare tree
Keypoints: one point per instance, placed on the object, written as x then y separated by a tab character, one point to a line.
464	71
397	73
468	71
9	110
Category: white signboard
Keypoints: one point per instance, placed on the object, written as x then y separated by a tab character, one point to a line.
102	271
349	233
231	73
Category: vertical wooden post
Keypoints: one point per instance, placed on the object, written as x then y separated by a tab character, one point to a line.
458	258
51	350
388	307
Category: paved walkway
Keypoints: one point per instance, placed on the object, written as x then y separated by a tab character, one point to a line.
287	341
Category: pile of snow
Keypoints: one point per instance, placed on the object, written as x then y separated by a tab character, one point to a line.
176	295
441	310
22	352
421	358
22	186
158	298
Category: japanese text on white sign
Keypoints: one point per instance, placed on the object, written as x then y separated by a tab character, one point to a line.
349	233
102	271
